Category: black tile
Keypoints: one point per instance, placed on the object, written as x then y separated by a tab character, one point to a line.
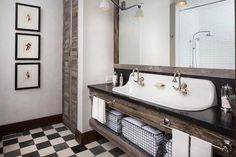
43	145
25	133
73	156
53	136
11	136
45	128
52	155
26	143
1	150
116	152
78	148
102	141
39	134
69	137
33	154
13	153
97	150
9	142
61	146
61	129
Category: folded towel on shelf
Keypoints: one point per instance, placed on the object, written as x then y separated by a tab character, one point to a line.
200	148
180	144
95	108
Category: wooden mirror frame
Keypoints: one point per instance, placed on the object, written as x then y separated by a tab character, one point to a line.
221	73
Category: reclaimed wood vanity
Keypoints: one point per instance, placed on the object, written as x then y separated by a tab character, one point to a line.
211	125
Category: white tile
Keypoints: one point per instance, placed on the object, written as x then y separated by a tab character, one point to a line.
86	153
33	131
65	152
58	125
27	150
92	145
105	154
1	155
108	146
57	141
40	139
49	132
64	133
46	151
24	138
11	148
72	143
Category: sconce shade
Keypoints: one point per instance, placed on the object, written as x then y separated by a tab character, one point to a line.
180	3
104	5
139	13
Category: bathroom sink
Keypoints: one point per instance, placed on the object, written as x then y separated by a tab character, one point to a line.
158	89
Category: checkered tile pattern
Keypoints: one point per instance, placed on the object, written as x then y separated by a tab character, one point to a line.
54	141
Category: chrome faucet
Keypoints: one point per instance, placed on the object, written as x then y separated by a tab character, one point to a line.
139	80
182	88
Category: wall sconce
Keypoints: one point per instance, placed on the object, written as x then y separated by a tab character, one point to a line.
104	5
180	3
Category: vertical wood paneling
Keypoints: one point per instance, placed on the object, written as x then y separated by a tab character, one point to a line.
70	62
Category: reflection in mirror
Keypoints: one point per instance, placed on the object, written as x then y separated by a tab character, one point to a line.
200	34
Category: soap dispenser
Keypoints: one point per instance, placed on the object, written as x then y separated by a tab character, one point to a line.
226	92
121	80
114	79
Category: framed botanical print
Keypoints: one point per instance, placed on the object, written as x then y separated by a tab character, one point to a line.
27	46
27	75
27	17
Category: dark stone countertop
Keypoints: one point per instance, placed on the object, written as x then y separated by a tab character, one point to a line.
213	118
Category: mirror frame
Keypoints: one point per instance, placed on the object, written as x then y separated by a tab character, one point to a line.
220	73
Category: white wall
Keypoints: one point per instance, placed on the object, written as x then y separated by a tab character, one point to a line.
146	41
16	106
95	54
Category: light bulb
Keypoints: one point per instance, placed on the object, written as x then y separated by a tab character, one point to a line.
180	3
104	5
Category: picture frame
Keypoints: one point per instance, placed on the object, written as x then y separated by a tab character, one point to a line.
27	76
27	17
27	46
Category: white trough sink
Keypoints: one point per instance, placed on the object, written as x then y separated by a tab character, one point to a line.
201	93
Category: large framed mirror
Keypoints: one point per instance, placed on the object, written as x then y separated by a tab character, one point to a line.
197	36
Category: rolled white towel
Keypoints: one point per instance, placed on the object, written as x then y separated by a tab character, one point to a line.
134	121
116	113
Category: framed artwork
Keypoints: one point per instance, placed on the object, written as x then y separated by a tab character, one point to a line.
27	75
27	46
27	17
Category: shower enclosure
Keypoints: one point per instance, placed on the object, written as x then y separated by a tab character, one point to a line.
205	34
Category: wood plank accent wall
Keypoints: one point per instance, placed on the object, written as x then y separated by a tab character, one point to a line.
70	63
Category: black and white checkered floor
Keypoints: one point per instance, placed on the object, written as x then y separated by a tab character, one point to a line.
53	141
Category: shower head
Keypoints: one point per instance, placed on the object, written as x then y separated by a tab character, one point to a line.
209	34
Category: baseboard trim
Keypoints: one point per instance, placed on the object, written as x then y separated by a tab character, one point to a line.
87	137
29	124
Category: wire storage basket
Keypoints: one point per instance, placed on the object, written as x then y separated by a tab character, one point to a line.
115	127
147	138
167	146
113	120
114	116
